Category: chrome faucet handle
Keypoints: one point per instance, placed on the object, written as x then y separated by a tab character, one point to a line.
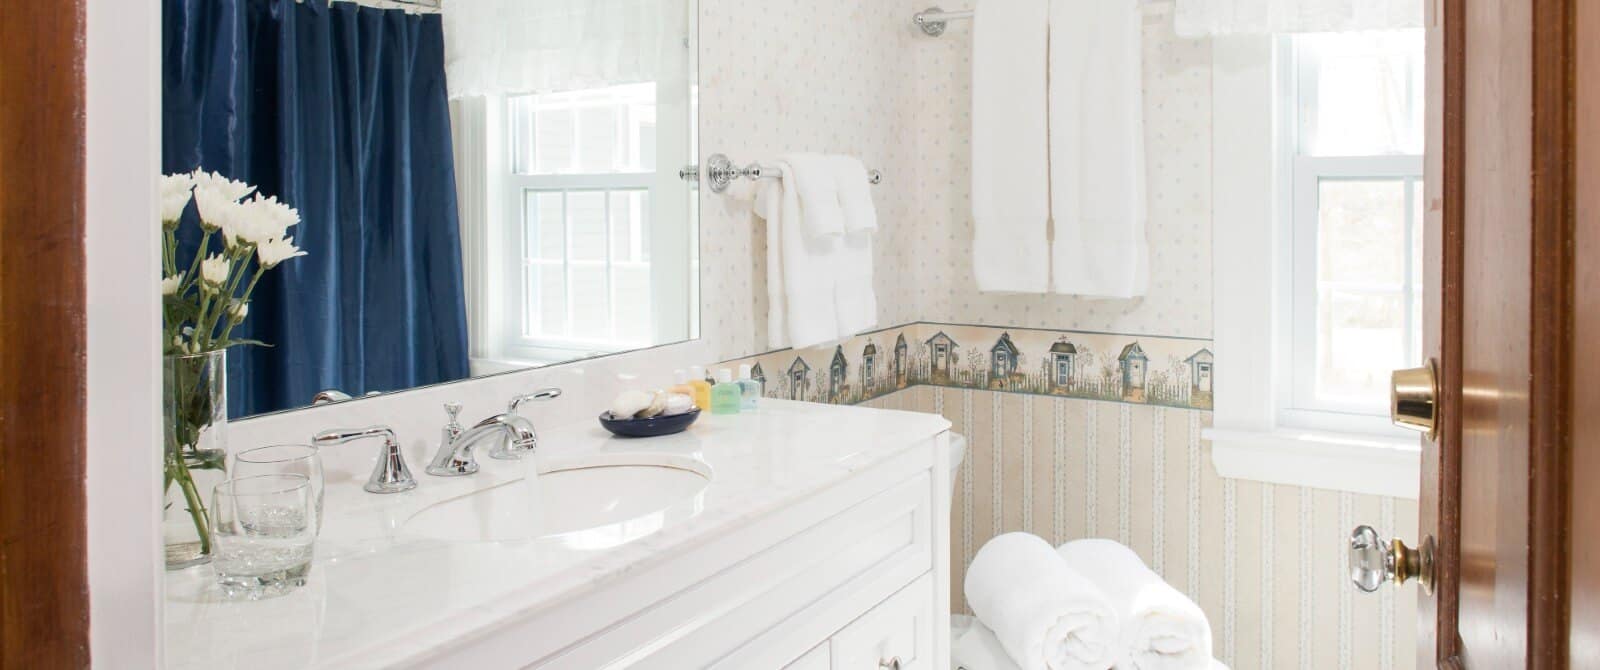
515	450
542	394
449	460
390	474
453	428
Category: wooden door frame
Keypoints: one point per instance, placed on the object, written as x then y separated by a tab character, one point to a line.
1550	415
44	587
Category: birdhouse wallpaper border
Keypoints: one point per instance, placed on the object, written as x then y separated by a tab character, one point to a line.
1165	371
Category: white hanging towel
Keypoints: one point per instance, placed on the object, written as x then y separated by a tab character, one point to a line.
1162	629
815	177
802	310
1010	187
854	294
855	195
1045	615
1097	175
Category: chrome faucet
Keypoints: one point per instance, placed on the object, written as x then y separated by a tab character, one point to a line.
390	474
455	456
509	450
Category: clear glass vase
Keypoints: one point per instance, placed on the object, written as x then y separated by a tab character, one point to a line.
194	393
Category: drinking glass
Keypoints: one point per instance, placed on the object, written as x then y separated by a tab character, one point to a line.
284	459
263	528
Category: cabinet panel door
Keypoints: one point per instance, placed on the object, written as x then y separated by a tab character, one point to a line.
899	628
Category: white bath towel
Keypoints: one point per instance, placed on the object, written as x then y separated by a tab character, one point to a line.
855	195
1097	175
815	178
854	297
1046	616
1161	628
854	294
1010	186
801	270
976	648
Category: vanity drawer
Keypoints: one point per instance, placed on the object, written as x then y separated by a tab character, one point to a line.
816	659
769	609
899	628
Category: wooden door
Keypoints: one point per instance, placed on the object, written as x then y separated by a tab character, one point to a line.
44	589
1497	490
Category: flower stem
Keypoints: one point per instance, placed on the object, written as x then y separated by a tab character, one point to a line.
192	277
244	299
179	472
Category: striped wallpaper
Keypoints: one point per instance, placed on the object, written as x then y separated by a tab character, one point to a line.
1267	563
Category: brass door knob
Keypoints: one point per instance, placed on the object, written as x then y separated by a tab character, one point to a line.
1373	561
1413	399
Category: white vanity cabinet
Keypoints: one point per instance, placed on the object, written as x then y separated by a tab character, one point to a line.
845	578
819	540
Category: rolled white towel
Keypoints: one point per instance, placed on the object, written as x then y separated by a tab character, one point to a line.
975	647
1161	628
1046	616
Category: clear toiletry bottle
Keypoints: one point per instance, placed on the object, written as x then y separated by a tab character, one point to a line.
750	390
702	389
725	396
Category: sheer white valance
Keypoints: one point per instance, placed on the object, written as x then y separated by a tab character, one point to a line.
523	46
1203	18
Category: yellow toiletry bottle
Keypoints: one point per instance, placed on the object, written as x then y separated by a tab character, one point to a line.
702	388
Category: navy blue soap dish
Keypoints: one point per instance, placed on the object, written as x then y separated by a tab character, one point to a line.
652	427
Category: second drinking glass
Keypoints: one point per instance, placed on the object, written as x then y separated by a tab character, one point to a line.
284	459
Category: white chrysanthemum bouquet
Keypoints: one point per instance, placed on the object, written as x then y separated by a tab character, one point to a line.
203	301
204	296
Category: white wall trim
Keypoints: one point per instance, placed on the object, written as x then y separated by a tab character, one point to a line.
1251	282
1376	465
122	88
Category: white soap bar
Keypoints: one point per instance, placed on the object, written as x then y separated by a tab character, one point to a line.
629	403
678	403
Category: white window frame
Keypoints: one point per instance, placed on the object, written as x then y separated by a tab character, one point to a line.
1258	434
515	342
1299	405
490	198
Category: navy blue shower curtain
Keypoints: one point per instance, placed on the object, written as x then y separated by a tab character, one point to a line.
340	111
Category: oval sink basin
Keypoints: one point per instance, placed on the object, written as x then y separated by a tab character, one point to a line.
585	504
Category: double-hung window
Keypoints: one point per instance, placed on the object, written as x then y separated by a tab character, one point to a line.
1353	203
1318	207
579	210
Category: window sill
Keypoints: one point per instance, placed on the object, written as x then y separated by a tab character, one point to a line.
1375	465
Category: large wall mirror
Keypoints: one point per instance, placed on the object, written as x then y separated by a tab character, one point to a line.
484	186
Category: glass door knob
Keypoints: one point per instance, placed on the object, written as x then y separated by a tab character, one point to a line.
1374	561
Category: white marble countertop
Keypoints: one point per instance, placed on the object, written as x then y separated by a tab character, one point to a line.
380	594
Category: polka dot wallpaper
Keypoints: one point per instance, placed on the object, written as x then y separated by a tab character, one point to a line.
859	78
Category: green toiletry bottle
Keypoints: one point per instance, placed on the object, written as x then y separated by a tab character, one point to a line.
725	396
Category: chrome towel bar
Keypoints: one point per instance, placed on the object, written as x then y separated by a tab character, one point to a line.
720	172
933	20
